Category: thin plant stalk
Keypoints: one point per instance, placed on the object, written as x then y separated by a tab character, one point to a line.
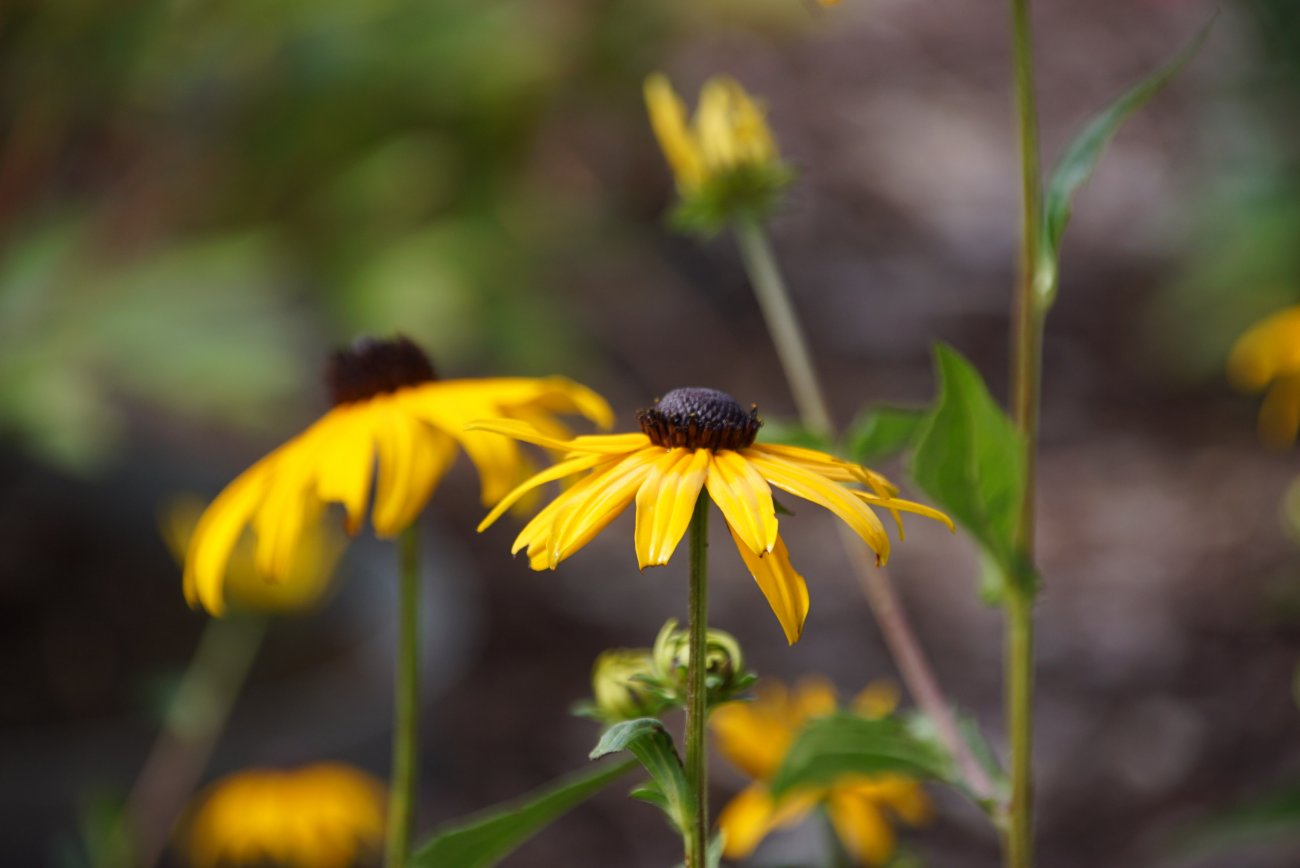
193	724
796	360
401	800
697	768
1027	353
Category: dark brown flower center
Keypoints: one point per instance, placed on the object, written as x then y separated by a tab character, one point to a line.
699	419
373	367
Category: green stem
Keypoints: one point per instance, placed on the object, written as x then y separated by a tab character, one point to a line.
1027	361
191	728
401	800
697	840
895	628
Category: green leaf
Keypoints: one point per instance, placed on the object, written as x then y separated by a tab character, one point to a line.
970	460
714	854
844	743
647	740
1081	158
485	839
1270	818
882	432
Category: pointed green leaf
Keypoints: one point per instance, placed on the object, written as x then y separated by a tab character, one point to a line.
485	839
970	460
1081	158
844	743
882	432
647	740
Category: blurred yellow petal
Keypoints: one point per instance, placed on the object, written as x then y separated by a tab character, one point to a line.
1279	415
347	462
1269	349
745	821
785	590
861	827
217	532
590	514
745	500
754	736
665	503
668	120
814	696
877	699
551	474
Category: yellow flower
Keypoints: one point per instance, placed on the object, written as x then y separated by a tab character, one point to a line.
245	587
755	737
724	160
1267	356
696	440
391	420
326	815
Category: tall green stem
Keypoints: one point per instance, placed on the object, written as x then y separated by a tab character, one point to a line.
697	769
895	628
401	799
1027	362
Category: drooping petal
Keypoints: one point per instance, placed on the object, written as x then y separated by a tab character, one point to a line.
861	827
346	462
668	120
785	589
413	458
895	504
665	503
217	532
745	500
589	515
754	736
745	821
551	474
810	486
537	532
604	444
903	796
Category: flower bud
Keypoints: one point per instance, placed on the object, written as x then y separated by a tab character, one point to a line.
621	685
724	673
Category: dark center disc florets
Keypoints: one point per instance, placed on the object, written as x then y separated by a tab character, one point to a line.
372	367
699	419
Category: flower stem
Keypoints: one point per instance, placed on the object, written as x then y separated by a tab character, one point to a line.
697	839
191	728
401	799
895	628
1027	360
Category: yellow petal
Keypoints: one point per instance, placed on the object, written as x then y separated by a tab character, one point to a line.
668	120
537	532
665	503
814	696
754	736
807	484
606	444
877	699
605	501
1279	415
1269	349
745	821
785	589
745	500
217	532
893	503
347	459
903	796
551	474
861	827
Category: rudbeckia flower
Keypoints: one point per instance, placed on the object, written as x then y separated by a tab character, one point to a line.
394	424
693	441
755	737
725	161
326	815
1267	356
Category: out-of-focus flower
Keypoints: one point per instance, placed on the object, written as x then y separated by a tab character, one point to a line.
755	737
622	685
724	160
694	440
307	580
326	815
1267	356
391	419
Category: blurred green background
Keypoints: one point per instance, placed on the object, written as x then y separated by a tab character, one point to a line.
198	201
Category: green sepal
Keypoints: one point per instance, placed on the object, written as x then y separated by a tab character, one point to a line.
845	743
486	838
714	855
882	432
648	740
744	193
970	460
1080	159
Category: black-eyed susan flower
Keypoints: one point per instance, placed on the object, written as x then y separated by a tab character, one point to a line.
755	737
395	427
325	815
725	160
694	441
1267	356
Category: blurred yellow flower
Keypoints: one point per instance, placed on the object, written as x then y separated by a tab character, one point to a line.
392	419
729	130
696	440
755	737
325	815
307	580
1267	356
